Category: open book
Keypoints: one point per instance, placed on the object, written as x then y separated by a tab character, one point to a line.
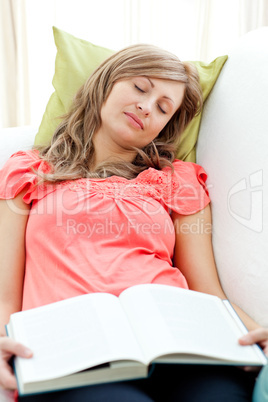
99	337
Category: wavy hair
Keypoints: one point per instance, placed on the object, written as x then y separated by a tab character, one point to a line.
71	151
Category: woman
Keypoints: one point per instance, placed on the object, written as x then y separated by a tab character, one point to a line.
106	206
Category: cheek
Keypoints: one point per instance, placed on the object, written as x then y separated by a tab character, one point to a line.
161	124
155	130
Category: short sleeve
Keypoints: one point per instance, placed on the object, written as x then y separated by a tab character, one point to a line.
19	173
186	192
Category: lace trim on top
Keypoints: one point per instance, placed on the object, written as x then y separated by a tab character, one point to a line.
150	183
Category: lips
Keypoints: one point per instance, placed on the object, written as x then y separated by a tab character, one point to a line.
134	119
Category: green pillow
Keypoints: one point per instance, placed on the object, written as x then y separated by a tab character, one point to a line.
76	59
208	73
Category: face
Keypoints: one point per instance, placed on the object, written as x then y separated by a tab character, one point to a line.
136	110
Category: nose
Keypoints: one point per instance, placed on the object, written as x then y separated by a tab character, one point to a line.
144	108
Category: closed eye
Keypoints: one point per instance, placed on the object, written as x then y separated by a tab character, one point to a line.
162	110
139	89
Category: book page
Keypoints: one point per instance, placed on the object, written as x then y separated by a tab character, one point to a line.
169	320
73	335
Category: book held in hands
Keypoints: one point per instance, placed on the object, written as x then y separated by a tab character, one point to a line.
98	337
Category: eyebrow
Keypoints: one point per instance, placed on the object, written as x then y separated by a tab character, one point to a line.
152	85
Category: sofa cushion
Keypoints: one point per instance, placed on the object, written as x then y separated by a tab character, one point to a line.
233	149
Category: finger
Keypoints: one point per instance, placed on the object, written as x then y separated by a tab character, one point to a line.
257	335
264	346
14	348
251	369
7	378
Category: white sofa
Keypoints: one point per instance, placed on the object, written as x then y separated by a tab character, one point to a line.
233	148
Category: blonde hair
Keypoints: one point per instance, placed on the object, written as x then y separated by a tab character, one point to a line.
71	152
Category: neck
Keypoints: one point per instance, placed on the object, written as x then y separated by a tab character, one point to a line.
106	152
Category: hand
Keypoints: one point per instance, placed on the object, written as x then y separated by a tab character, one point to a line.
259	335
9	348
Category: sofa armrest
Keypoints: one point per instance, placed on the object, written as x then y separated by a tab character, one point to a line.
14	139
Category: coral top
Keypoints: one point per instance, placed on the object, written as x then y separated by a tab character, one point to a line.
100	235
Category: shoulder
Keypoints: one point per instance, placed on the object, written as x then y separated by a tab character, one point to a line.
27	161
190	169
179	171
186	166
19	174
188	192
185	172
23	156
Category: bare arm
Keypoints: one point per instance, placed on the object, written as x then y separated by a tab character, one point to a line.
194	257
13	221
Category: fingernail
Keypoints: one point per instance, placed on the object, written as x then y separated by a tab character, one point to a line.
27	352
